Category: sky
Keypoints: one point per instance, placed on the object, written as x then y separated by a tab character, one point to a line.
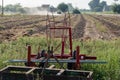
82	4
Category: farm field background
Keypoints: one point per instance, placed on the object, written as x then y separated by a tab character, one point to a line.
100	34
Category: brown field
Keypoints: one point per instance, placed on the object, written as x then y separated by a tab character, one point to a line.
84	26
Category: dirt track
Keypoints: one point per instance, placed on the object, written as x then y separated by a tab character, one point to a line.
92	26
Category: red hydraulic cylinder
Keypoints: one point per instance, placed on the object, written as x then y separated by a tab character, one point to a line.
62	52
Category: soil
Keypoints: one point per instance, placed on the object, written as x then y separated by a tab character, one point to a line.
83	26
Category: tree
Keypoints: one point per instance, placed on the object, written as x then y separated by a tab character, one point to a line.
98	9
70	7
63	7
14	8
9	8
18	8
52	9
76	11
116	8
96	5
103	4
93	4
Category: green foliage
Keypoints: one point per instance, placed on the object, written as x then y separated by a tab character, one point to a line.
14	8
93	4
116	8
76	11
97	9
97	6
63	7
104	50
103	4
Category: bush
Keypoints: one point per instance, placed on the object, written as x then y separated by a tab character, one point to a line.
116	8
76	11
63	7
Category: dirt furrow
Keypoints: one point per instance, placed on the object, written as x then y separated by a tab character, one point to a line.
90	29
108	26
115	29
78	30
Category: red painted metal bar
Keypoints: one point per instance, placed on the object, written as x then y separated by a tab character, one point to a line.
70	40
29	54
77	57
65	56
33	56
63	46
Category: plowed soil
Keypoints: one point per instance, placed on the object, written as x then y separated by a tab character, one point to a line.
90	26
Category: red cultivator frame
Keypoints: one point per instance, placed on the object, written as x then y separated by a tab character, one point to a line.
63	33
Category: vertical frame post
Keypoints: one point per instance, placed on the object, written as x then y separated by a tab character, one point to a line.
63	44
29	55
77	57
70	39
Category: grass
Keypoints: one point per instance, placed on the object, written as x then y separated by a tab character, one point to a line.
109	51
99	25
104	50
1	27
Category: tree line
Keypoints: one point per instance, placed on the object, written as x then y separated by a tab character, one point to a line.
97	6
17	8
13	8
